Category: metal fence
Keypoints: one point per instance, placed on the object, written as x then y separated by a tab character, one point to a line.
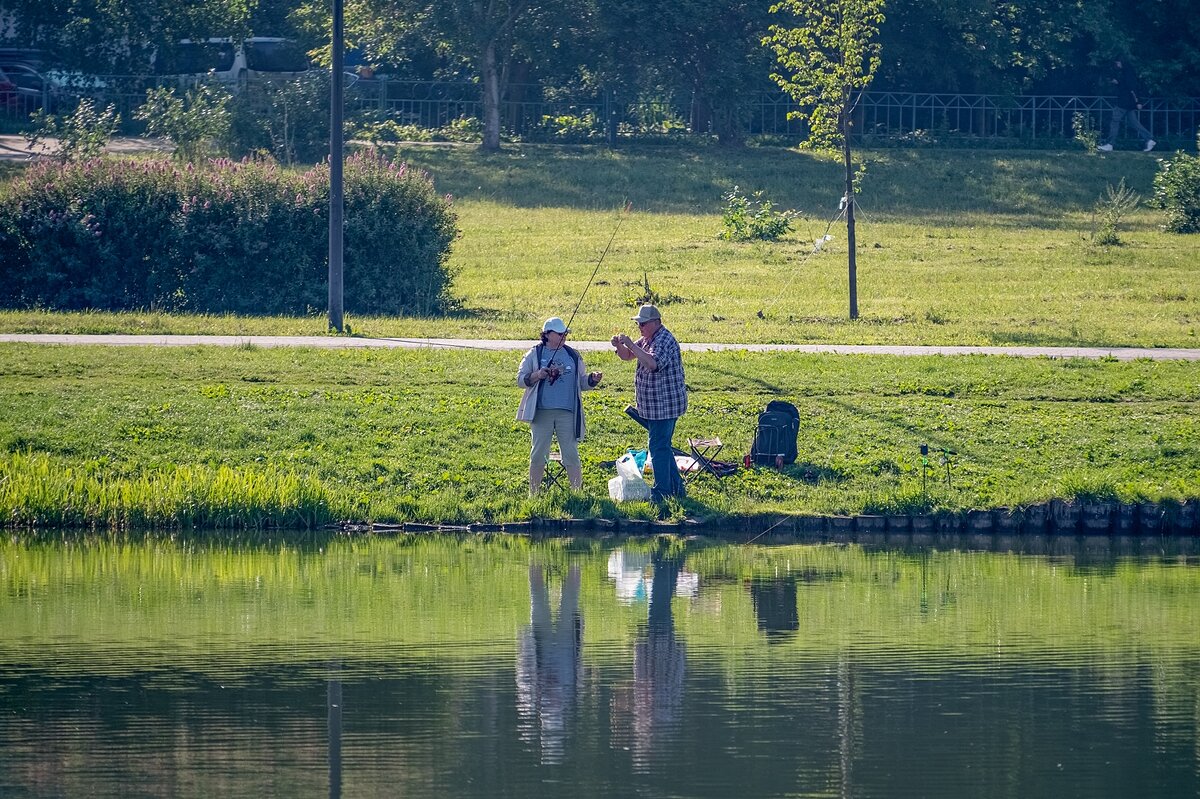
1020	117
539	113
535	112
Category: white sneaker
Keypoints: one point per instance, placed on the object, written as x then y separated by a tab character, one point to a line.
1149	145
1105	148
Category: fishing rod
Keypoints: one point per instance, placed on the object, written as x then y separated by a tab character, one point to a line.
620	218
554	353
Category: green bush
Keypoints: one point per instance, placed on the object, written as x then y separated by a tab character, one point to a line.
82	134
244	237
1177	191
378	131
572	127
288	118
198	123
746	218
1084	128
1116	203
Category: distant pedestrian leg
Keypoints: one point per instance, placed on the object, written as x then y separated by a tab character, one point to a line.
1114	125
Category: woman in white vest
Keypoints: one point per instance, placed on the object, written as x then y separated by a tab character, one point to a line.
553	376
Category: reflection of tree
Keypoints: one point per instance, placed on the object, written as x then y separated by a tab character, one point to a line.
548	658
333	711
849	714
659	661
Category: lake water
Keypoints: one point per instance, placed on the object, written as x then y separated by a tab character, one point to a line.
504	667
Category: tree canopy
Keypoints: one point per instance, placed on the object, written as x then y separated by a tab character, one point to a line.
708	51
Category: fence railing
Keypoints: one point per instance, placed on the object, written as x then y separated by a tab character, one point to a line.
531	110
536	112
1022	117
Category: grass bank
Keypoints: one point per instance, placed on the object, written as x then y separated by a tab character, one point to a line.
956	247
144	437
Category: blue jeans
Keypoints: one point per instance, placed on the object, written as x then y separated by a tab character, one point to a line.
1130	114
667	480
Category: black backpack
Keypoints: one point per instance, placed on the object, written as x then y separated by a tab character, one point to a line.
775	437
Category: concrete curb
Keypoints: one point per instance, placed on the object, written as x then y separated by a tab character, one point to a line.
1055	519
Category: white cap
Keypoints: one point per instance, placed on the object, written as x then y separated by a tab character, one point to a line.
555	325
647	313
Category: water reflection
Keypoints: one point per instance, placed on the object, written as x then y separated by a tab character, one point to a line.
432	667
774	601
333	703
548	663
659	665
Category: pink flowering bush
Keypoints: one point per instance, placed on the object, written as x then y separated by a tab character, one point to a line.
243	237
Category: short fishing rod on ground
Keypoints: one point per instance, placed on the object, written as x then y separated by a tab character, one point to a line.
946	456
554	373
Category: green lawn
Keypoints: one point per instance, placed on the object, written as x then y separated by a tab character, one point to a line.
148	436
956	247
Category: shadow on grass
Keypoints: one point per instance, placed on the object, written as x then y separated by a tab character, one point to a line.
1030	187
936	442
1004	338
814	473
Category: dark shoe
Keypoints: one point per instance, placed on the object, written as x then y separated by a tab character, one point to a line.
633	414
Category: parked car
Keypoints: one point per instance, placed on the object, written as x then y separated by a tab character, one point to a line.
254	59
21	90
31	56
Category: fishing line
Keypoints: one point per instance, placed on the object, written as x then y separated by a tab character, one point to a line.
435	344
620	218
769	529
818	245
423	343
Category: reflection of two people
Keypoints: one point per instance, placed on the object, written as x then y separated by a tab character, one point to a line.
548	664
659	657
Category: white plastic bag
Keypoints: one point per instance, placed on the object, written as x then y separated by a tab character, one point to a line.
628	485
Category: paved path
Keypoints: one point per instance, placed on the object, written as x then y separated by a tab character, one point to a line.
348	342
16	148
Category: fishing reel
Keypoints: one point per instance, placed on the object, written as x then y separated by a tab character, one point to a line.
553	373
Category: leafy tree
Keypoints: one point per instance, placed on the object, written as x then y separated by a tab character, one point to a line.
706	50
482	33
123	35
1163	41
828	60
983	46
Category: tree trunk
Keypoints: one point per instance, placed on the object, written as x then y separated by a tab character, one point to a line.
491	99
701	116
730	131
850	221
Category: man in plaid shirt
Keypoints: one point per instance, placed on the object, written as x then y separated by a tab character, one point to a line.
659	392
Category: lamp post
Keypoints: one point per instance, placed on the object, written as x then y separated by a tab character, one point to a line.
335	172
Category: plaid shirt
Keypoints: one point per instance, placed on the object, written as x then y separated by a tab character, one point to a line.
661	394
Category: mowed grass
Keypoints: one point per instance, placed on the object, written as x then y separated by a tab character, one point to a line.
146	437
954	247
